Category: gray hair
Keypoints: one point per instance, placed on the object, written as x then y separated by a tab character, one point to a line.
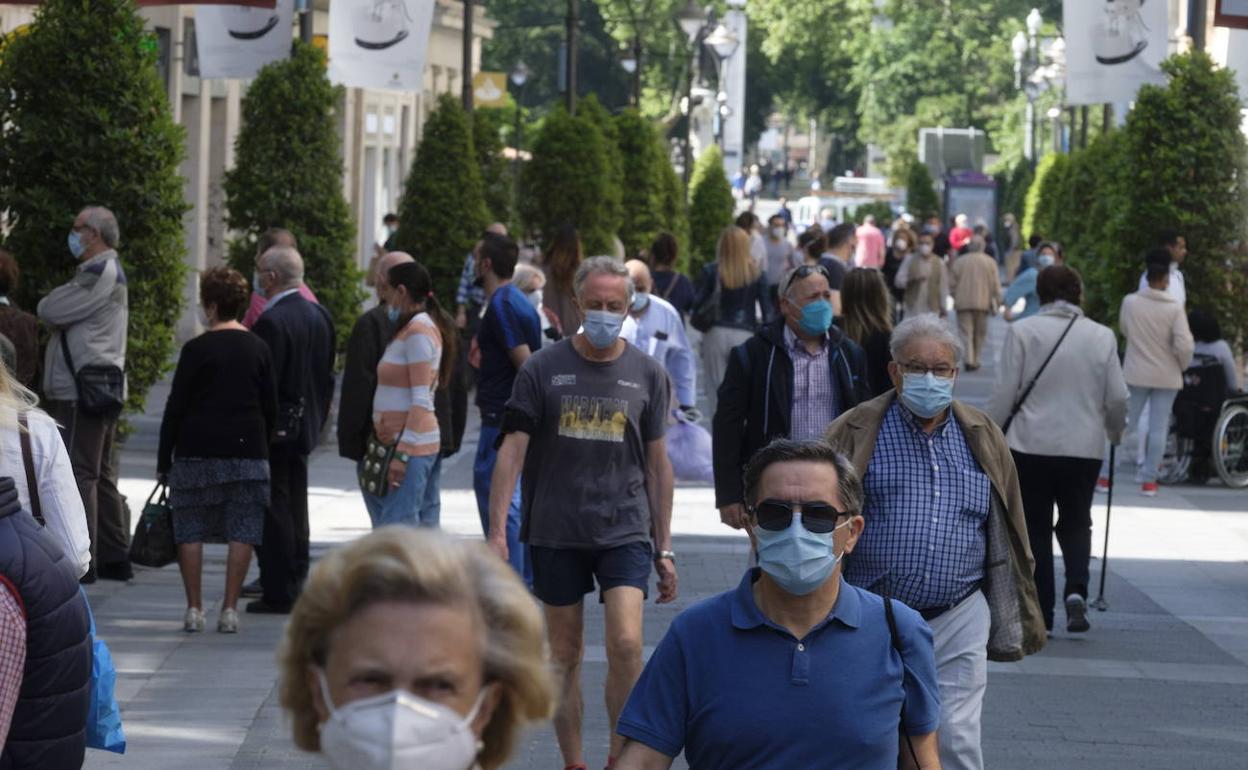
924	326
103	222
286	262
977	244
525	276
783	450
601	266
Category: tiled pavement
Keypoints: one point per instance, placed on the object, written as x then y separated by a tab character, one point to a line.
1160	682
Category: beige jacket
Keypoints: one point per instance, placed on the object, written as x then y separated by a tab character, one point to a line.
1159	344
925	282
975	282
1017	627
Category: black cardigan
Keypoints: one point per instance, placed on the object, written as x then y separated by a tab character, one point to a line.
223	401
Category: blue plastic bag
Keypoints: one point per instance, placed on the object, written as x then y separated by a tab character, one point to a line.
689	448
104	716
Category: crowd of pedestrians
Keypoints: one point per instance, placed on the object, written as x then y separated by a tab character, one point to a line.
828	369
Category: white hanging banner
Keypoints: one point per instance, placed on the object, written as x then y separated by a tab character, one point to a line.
379	43
235	41
1112	48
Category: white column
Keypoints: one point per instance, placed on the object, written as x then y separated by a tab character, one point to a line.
734	86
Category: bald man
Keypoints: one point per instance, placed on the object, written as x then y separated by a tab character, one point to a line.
661	335
274	236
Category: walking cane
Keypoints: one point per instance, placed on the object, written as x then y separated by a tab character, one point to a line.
1100	603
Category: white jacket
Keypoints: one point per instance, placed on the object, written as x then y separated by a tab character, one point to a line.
1080	398
1159	342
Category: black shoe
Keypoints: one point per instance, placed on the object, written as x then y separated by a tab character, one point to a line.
253	590
119	570
1077	614
261	607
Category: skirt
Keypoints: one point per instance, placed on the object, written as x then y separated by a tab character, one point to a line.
218	500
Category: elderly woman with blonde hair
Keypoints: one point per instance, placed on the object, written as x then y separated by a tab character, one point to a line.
413	648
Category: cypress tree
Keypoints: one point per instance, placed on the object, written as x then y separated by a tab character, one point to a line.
710	209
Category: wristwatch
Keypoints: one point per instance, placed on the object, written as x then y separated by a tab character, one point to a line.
666	555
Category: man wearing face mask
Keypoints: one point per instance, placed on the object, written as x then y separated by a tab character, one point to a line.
948	535
1024	286
782	256
801	645
790	380
586	422
976	285
924	280
509	333
661	335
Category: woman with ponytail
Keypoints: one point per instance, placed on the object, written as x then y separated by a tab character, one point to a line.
417	362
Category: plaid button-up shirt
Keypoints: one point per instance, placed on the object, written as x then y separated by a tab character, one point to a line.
12	657
814	395
927	503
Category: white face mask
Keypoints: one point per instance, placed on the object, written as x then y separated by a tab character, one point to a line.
398	731
925	249
535	299
777	233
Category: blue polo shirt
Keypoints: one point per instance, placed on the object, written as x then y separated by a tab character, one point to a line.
509	322
734	690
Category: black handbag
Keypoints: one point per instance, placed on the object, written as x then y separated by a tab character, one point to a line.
706	315
101	387
374	470
153	544
289	426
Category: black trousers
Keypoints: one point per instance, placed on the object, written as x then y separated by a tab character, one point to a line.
1069	483
284	552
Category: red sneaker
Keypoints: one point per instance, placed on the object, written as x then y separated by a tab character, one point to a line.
1149	489
1102	486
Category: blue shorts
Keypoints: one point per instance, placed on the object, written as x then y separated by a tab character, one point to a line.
562	576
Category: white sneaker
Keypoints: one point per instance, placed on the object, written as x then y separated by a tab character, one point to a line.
193	621
228	622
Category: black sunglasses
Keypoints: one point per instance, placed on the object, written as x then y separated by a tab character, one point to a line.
818	517
801	272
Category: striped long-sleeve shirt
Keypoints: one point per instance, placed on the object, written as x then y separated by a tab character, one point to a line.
406	379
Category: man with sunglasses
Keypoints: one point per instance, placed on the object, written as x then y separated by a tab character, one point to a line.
795	668
790	380
948	534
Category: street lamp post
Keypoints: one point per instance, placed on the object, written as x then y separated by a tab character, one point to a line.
519	76
1035	71
573	23
693	21
724	43
630	60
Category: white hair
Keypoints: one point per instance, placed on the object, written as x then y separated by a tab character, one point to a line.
924	326
286	262
601	266
103	222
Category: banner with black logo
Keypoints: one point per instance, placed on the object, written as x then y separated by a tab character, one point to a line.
379	43
235	41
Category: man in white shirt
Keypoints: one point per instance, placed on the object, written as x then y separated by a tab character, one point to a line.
661	335
1177	246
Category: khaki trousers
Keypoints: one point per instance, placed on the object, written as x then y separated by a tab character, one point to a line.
974	327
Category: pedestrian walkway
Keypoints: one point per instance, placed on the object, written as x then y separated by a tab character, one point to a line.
1161	681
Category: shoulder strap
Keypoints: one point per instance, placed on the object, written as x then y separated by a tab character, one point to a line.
28	459
1031	385
65	349
896	639
670	285
892	624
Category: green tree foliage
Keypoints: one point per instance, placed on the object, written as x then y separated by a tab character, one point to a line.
566	181
882	212
921	198
1014	184
487	142
592	110
1044	196
84	120
675	211
288	173
710	207
642	190
443	210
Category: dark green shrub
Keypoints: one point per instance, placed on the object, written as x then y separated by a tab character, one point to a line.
84	120
592	110
674	210
1014	185
882	212
288	173
566	181
1044	196
711	207
921	198
1096	200
443	210
487	142
642	193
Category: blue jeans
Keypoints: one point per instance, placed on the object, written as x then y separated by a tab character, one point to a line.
1160	401
417	501
482	471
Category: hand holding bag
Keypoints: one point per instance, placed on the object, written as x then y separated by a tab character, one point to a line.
374	471
153	544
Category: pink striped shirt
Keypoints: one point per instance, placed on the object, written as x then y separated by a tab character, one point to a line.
407	377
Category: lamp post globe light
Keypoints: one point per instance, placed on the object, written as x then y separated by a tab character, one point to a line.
693	21
519	76
724	44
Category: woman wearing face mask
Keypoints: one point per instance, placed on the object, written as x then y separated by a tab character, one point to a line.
408	649
1024	285
731	302
417	362
904	243
214	444
924	280
532	282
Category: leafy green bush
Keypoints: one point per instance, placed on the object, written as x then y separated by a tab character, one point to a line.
592	110
443	210
711	207
288	173
921	198
84	120
674	208
1014	185
1044	196
642	193
487	142
566	181
882	212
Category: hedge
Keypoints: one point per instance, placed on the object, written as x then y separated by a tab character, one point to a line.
487	143
566	181
921	198
711	207
642	193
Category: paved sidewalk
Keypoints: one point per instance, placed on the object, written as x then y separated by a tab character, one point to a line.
1161	681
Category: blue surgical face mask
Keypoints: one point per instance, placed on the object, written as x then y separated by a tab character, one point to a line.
797	559
641	300
602	328
816	317
392	314
75	244
255	283
926	395
1044	260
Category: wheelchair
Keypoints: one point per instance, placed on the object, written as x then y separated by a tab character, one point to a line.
1208	429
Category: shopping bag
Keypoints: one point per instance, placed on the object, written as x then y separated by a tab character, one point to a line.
104	716
689	447
153	544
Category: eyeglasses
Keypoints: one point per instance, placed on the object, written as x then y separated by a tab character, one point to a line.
942	371
804	271
818	517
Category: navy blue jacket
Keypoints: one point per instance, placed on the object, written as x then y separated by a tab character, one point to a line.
756	400
300	335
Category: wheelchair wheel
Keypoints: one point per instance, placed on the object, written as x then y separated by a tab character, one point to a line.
1230	443
1177	460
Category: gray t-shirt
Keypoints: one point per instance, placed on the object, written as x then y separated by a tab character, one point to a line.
584	482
